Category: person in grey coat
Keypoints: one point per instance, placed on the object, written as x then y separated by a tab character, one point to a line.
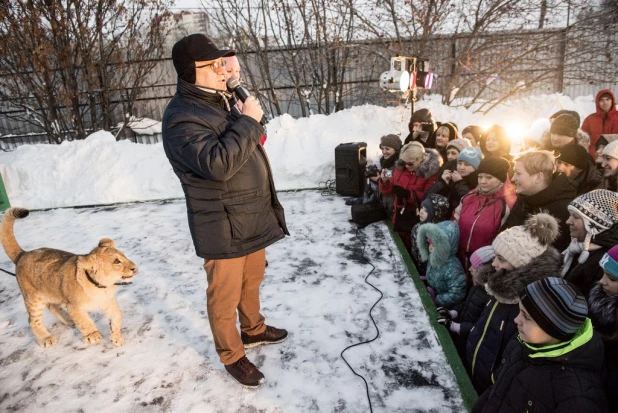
232	206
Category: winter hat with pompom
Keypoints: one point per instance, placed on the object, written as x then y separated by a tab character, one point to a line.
599	210
520	245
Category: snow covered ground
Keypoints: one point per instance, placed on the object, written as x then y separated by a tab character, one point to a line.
99	170
314	287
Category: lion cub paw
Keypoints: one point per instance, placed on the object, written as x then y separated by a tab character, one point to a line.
49	341
93	338
117	339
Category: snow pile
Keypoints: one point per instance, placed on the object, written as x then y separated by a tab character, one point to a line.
93	171
100	170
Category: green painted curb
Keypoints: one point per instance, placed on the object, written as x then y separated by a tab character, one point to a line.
461	375
4	197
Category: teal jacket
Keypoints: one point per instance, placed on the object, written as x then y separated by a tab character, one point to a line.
444	271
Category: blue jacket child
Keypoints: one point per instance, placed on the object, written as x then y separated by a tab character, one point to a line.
438	244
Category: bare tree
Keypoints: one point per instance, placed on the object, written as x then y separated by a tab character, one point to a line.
71	66
303	43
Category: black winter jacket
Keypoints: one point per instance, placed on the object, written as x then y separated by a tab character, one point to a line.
602	311
453	191
546	381
589	179
583	276
471	310
232	205
554	199
496	325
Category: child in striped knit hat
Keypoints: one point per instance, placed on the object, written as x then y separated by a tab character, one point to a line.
554	363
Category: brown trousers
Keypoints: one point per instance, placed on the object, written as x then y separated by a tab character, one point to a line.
234	284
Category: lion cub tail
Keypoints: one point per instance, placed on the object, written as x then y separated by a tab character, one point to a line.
12	248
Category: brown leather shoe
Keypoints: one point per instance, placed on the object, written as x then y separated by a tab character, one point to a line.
271	335
245	373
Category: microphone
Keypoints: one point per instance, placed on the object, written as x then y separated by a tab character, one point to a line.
234	86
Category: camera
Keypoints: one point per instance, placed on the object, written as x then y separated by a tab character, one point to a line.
371	171
388	173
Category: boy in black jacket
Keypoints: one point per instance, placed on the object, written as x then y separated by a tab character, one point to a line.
554	364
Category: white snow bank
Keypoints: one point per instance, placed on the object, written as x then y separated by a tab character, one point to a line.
101	170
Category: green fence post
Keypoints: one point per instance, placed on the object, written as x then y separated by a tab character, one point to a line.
4	197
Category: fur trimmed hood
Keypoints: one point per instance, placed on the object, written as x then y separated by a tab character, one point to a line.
507	286
445	239
483	273
431	165
602	311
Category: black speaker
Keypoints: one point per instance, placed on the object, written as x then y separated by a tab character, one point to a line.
350	163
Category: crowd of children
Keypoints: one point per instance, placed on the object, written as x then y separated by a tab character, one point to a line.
518	251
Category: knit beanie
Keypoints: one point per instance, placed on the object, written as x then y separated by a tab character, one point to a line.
482	256
609	262
599	210
556	306
471	155
520	245
565	125
422	116
567	112
459	144
574	155
611	150
494	166
392	141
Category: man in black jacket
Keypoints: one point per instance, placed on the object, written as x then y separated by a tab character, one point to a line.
232	206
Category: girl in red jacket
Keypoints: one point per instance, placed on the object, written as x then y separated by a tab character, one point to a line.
483	210
417	169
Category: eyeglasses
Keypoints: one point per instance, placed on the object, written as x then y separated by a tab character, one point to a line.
411	163
216	65
607	158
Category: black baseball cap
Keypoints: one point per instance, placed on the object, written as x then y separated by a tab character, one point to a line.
195	48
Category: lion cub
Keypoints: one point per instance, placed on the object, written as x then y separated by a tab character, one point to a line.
57	279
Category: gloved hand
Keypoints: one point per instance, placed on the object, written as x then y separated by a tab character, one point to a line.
444	313
432	293
445	321
401	192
